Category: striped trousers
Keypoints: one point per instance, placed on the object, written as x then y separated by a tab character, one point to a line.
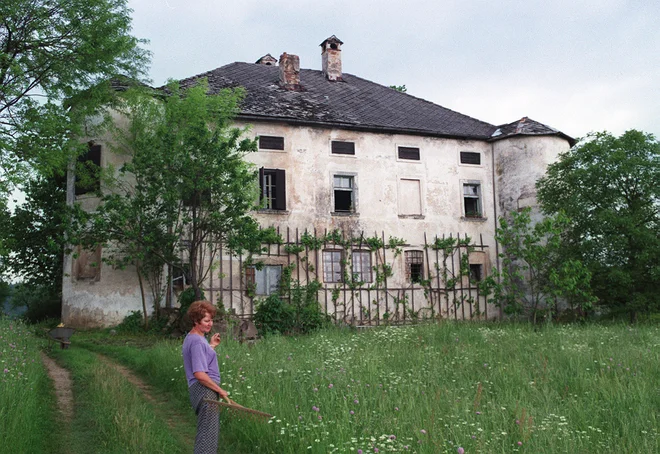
208	421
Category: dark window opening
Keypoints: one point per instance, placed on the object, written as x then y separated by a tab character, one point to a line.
343	147
469	157
88	178
415	266
472	200
476	272
272	184
409	153
344	193
271	143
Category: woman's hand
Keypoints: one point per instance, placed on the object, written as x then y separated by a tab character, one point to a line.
215	340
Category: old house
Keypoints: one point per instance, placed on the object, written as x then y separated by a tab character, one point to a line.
341	153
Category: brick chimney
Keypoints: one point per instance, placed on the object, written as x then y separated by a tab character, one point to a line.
331	58
290	72
267	60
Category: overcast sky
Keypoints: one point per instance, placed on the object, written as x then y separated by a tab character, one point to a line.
575	65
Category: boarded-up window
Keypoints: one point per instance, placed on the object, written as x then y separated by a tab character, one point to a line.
469	157
411	153
88	169
264	281
339	147
272	183
271	143
410	197
87	264
332	266
362	266
414	266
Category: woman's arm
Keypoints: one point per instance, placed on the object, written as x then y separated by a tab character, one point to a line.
205	380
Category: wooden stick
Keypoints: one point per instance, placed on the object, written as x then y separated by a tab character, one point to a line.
230	404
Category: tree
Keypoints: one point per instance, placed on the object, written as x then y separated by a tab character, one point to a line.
535	278
401	88
51	50
185	187
609	187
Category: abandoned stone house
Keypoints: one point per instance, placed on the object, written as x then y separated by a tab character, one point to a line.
341	153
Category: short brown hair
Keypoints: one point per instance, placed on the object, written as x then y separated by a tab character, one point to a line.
198	310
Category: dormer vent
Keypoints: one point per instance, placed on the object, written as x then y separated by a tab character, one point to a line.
331	58
290	72
267	60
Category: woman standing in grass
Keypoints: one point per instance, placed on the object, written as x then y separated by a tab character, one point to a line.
201	366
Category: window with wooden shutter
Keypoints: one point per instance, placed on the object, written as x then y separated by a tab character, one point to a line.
410	153
339	147
272	183
271	143
469	157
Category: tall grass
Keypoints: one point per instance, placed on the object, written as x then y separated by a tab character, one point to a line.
111	416
27	405
428	389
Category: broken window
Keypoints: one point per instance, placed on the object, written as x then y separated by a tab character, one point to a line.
272	183
410	197
362	266
344	192
414	266
470	157
476	272
87	264
472	200
271	143
265	281
411	153
339	147
88	169
333	266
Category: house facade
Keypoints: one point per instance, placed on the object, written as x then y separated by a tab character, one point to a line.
344	155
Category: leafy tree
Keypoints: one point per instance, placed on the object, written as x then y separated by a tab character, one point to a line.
534	276
52	50
185	187
401	88
609	187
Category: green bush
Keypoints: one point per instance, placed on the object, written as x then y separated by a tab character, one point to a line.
42	302
133	323
274	316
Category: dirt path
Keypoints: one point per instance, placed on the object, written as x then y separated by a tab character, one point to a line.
63	387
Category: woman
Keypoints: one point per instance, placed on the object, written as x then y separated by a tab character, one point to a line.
201	366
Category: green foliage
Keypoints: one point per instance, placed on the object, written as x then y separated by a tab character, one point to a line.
133	323
56	49
535	276
187	297
274	316
608	187
400	88
40	301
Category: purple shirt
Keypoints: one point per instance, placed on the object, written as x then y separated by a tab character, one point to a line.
198	356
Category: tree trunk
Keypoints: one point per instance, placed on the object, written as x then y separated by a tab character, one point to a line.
144	301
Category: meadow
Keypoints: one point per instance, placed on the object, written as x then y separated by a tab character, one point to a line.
448	387
486	388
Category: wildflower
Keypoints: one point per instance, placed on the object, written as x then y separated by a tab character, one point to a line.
6	371
316	390
320	417
520	443
330	386
392	437
478	412
299	418
375	449
423	432
396	408
315	408
226	356
517	421
352	412
359	451
460	450
356	401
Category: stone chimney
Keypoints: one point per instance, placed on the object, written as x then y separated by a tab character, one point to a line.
267	60
331	58
290	71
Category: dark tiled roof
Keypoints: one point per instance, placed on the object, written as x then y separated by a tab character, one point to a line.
528	127
353	103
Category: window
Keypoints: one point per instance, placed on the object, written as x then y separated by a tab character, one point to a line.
362	266
476	272
414	266
344	192
87	170
272	183
271	143
411	153
264	281
332	266
472	200
343	147
410	197
87	264
470	157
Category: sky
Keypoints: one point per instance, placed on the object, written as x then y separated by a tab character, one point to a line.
575	65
